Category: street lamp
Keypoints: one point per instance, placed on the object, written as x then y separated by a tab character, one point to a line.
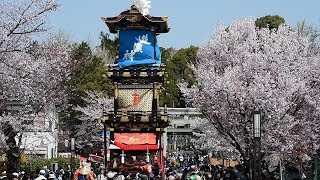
72	147
257	145
257	124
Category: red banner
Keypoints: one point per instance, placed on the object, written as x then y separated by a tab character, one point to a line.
137	147
135	138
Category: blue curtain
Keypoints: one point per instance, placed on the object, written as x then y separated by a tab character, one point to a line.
138	47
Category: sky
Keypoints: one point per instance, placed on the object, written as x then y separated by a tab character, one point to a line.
191	22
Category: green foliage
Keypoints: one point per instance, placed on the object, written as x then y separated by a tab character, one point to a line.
178	71
107	44
179	65
92	78
34	163
269	21
89	75
166	54
81	52
81	55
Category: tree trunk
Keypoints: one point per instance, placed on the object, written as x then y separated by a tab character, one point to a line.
247	167
13	156
13	151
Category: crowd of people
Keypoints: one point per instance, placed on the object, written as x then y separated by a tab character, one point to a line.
39	174
193	173
191	167
177	166
197	166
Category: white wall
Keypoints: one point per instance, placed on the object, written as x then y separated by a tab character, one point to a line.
43	144
42	139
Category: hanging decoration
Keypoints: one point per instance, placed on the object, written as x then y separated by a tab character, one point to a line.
122	157
135	98
115	165
148	157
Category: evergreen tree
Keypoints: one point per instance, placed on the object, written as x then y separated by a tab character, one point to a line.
271	22
178	70
89	76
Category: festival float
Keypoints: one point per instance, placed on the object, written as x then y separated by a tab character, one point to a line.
136	125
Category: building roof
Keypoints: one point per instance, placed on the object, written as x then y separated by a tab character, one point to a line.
133	19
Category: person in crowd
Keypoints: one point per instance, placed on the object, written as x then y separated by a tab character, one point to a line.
21	175
60	174
84	172
181	158
26	177
92	175
4	175
101	176
41	176
33	175
144	177
45	168
51	176
171	177
110	175
15	176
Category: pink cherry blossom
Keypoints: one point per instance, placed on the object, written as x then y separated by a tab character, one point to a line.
241	69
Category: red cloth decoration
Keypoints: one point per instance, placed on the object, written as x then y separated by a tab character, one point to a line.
136	147
136	138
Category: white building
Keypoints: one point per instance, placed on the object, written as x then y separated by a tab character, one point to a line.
40	144
41	139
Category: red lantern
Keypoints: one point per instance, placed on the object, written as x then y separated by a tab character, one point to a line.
135	98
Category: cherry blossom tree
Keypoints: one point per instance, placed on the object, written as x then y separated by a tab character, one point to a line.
21	21
34	80
207	140
90	129
33	72
241	69
310	31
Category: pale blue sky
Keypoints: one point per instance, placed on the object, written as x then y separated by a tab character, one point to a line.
191	22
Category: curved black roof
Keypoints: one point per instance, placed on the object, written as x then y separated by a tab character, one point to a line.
133	19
